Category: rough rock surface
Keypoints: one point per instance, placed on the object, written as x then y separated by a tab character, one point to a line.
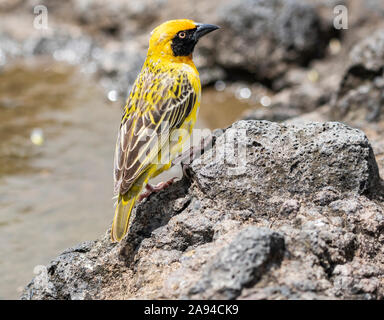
111	37
276	32
301	218
349	56
240	264
361	93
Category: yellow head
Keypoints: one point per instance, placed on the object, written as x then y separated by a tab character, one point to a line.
177	38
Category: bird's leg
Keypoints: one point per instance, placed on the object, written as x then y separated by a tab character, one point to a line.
162	185
187	157
151	189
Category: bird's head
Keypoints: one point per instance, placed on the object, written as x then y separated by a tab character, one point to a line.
177	38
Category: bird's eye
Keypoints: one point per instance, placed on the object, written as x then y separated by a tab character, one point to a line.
182	35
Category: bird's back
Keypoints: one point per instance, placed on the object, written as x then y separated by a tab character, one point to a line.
159	116
166	96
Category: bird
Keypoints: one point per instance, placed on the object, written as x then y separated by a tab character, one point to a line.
159	115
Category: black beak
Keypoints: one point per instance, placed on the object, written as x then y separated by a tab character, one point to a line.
203	29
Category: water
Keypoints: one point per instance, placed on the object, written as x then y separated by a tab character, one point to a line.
57	137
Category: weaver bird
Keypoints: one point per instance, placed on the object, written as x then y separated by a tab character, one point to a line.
159	115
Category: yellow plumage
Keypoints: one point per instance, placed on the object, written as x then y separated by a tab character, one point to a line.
159	115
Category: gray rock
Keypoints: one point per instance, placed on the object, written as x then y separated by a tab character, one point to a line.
9	49
303	221
278	33
78	273
361	93
118	17
282	160
240	264
281	33
117	66
275	113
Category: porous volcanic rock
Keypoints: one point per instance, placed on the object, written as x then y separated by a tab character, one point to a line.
302	217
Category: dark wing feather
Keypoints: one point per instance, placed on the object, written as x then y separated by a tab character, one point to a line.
157	104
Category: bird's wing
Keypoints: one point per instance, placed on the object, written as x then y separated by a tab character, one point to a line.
158	103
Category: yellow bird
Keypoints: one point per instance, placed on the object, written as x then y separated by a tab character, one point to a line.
159	115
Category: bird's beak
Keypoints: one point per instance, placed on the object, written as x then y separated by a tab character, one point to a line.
203	29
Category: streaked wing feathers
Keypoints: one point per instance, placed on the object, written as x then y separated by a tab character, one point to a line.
158	103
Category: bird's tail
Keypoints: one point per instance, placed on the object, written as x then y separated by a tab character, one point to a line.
123	211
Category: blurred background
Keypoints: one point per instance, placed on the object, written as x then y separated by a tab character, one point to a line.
66	68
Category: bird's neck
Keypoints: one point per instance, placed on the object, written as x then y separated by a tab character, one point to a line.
155	60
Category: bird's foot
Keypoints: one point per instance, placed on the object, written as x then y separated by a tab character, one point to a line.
151	189
194	152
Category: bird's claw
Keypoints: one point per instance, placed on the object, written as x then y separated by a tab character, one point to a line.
151	189
194	152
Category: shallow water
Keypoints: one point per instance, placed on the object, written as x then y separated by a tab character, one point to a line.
56	186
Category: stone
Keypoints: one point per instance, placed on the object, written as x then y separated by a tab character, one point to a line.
240	264
360	95
304	220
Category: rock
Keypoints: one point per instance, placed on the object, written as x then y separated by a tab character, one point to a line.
118	17
76	274
117	66
302	159
9	49
240	264
301	218
277	33
291	103
360	96
326	196
276	113
280	33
